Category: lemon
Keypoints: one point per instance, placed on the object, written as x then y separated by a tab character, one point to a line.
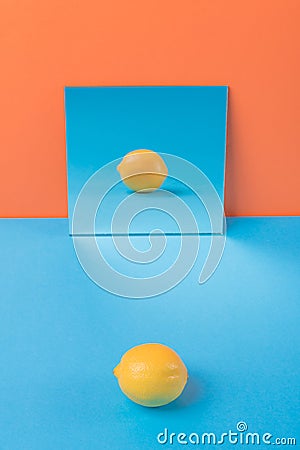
143	170
151	374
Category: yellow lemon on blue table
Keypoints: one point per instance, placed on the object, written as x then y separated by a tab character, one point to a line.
151	374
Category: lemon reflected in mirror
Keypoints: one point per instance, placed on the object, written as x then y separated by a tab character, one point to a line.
143	170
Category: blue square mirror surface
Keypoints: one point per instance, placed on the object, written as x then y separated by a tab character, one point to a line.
185	125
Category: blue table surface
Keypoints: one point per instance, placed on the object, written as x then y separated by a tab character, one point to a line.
61	336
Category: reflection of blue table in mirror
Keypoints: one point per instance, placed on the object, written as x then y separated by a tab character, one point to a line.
61	336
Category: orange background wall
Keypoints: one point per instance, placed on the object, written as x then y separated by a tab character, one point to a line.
253	46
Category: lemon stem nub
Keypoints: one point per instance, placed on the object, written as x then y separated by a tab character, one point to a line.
116	371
